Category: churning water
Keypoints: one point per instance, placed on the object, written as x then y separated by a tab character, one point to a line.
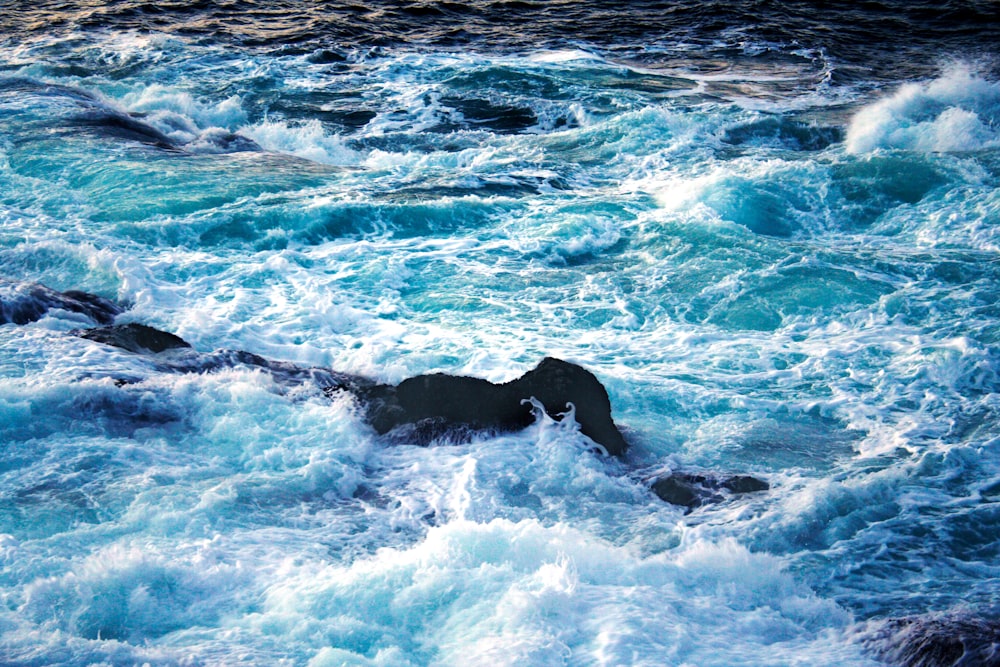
774	235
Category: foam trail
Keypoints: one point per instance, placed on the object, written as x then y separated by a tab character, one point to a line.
536	595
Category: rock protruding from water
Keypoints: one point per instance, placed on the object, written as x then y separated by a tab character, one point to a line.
137	338
429	405
937	641
422	408
23	302
692	491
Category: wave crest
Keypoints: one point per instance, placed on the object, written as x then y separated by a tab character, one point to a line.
959	111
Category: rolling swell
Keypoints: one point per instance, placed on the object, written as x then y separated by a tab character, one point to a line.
887	37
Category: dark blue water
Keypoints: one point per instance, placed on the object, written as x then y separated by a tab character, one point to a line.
770	230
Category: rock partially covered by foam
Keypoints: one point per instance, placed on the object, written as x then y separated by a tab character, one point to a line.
937	641
692	491
421	408
432	404
23	302
137	338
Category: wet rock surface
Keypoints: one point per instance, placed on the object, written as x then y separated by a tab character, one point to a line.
937	641
421	408
447	400
23	302
694	490
137	338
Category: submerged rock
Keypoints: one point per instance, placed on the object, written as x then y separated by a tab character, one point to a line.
137	338
692	491
170	353
23	302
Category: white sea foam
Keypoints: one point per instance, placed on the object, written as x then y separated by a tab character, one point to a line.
187	121
518	592
563	56
307	140
956	112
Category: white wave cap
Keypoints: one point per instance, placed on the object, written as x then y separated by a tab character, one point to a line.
306	140
960	111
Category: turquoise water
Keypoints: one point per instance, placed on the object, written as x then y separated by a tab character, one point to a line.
773	273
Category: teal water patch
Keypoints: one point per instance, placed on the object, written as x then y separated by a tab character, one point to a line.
798	292
760	211
783	133
272	221
165	188
874	185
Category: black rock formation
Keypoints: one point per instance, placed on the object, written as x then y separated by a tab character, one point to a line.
23	302
438	402
424	407
169	353
137	338
692	491
937	641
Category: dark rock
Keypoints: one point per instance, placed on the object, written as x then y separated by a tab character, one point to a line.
682	491
558	383
744	484
692	491
936	641
135	338
421	408
95	307
283	372
447	401
119	125
142	339
23	302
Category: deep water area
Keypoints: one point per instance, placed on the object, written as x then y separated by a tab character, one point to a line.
770	230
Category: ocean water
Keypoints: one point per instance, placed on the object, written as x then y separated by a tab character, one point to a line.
773	233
